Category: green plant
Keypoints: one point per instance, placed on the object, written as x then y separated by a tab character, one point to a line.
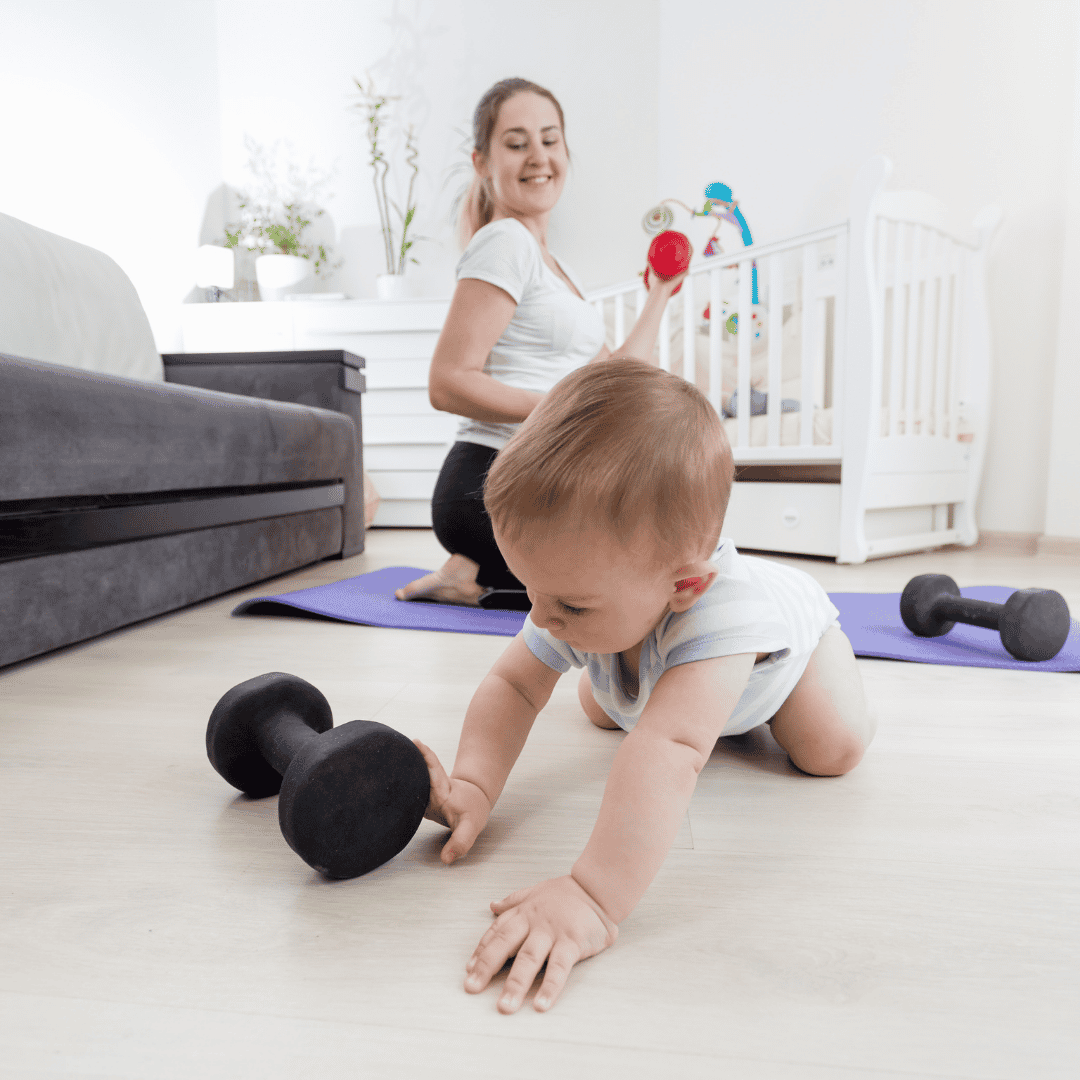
283	203
395	247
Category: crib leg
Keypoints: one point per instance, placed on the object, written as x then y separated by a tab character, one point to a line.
853	547
964	523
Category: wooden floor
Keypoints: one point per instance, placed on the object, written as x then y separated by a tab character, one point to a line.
918	917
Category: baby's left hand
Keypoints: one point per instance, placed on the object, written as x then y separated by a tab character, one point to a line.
556	921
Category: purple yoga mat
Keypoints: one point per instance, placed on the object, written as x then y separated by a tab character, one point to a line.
369	599
870	620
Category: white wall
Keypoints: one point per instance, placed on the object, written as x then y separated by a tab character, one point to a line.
1063	484
972	100
122	118
109	133
599	59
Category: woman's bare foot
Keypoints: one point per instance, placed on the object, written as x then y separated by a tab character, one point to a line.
453	583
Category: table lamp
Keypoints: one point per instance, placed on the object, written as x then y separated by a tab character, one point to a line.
214	268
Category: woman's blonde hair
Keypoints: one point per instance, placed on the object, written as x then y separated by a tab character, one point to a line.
477	205
622	445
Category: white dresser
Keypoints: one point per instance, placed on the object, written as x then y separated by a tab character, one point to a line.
405	439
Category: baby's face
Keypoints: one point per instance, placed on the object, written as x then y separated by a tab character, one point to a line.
588	590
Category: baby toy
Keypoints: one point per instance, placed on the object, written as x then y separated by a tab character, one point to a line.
729	316
719	204
351	797
1033	623
669	256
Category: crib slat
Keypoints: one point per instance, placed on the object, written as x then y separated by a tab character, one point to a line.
956	360
599	306
877	379
665	337
932	406
639	299
689	333
821	315
911	338
620	321
716	341
941	373
839	325
929	315
745	341
776	345
809	348
900	232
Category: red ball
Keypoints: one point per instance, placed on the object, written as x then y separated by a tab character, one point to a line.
669	254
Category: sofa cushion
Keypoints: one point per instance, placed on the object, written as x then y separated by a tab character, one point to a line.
66	303
67	433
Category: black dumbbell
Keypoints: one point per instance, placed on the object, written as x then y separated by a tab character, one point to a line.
351	796
1033	623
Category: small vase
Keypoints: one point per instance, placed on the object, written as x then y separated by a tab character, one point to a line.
280	275
391	287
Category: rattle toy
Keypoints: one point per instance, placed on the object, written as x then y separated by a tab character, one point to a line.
720	204
669	256
351	796
1033	623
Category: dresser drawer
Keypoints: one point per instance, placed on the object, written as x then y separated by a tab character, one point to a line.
799	518
398	403
403	483
387	458
404	514
383	374
437	428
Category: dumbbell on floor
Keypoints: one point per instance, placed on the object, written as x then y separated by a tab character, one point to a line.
351	796
1033	623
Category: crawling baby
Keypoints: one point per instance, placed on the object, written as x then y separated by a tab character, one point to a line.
608	505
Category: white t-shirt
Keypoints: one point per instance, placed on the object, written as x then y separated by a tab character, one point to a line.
553	331
753	605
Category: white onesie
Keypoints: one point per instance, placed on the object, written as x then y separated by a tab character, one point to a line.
553	331
753	605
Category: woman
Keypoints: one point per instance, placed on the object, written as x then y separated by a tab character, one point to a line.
517	324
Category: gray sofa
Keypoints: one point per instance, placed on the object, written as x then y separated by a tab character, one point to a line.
122	496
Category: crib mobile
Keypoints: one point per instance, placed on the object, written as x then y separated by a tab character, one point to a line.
721	205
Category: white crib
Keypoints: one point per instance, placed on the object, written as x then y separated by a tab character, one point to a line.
878	328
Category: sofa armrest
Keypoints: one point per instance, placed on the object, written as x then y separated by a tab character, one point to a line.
72	434
323	378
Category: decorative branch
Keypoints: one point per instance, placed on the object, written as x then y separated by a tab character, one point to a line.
395	250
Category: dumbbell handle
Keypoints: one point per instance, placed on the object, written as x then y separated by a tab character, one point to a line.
964	609
282	738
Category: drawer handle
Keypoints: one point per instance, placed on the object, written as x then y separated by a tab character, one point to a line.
790	517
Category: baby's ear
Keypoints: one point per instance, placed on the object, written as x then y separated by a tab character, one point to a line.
689	583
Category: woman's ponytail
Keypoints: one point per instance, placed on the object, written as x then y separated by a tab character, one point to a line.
476	210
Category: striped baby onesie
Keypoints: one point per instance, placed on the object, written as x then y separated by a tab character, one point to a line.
753	605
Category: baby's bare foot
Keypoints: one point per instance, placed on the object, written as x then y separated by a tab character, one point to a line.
453	583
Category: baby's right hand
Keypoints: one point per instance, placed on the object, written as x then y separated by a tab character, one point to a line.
460	806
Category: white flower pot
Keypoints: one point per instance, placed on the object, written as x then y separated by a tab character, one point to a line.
391	287
280	275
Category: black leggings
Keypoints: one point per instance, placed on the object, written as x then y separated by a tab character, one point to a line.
458	516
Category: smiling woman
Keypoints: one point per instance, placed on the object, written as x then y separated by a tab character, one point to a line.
517	324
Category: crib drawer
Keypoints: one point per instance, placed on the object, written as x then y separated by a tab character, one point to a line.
803	519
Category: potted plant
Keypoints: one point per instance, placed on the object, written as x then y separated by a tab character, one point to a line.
395	235
272	218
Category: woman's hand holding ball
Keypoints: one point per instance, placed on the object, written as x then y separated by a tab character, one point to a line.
668	260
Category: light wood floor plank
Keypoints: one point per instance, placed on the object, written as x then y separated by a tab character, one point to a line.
916	918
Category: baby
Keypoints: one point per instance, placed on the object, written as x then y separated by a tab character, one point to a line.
608	504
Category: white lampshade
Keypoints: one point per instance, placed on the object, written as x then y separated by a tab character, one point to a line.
214	266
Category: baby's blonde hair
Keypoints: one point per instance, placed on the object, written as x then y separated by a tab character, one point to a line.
622	445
